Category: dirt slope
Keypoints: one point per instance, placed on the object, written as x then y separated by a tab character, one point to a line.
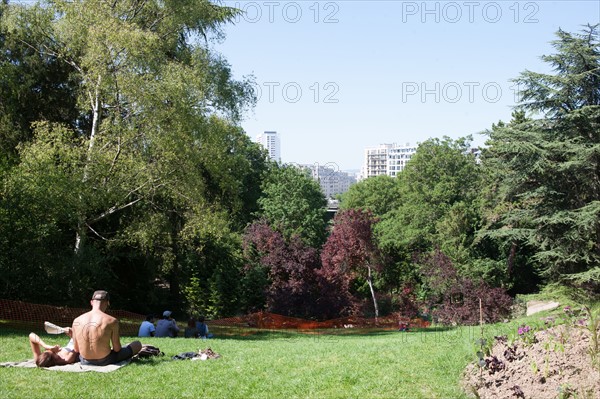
553	363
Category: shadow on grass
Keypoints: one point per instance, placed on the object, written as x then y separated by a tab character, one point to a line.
154	361
13	332
253	334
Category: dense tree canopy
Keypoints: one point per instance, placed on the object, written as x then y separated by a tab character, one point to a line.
131	150
123	166
294	205
34	86
547	167
379	194
435	205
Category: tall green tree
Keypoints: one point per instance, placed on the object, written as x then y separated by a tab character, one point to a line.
146	90
436	210
158	171
494	252
437	190
294	205
379	194
34	86
549	166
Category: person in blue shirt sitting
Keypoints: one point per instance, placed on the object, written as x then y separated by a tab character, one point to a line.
147	328
167	326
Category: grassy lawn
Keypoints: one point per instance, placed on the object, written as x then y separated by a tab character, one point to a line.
269	364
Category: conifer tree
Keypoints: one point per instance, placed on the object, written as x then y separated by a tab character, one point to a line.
548	164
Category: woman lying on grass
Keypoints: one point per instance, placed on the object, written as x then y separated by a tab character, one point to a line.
48	356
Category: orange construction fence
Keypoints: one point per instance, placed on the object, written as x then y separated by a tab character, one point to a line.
31	316
264	320
24	315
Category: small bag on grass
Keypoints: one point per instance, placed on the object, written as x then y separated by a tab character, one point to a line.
148	351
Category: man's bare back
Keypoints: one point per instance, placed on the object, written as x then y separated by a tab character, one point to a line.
95	332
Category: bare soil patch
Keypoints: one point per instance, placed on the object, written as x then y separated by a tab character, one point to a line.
554	364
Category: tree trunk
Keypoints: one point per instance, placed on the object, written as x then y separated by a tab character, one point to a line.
370	281
95	104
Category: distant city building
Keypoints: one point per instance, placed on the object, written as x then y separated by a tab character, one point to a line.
398	157
270	141
387	159
331	180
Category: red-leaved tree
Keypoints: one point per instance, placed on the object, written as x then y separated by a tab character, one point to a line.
292	287
350	250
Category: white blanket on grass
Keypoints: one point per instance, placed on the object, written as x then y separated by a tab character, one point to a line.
74	367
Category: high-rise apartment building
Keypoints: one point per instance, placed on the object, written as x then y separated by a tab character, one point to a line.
270	141
387	159
398	157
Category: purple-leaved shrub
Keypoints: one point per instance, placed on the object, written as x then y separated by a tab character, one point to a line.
454	299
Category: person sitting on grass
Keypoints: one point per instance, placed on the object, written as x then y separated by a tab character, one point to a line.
167	326
147	328
48	356
190	330
95	331
202	328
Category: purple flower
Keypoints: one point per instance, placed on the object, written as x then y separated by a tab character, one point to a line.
567	309
524	330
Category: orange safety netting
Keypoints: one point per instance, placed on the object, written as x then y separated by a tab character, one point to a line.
264	320
23	315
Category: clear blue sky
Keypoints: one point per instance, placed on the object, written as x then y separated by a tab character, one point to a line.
336	77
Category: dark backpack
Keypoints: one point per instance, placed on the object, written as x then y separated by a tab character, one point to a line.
149	351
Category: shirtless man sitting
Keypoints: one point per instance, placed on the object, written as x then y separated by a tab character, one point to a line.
95	331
